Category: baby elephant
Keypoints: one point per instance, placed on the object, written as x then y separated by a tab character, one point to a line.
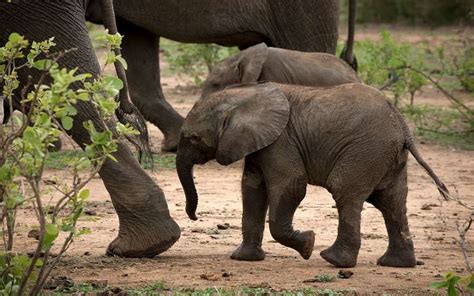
348	139
260	63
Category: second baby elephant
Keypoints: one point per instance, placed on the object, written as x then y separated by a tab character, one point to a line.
262	63
348	139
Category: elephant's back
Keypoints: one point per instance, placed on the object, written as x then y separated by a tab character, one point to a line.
347	111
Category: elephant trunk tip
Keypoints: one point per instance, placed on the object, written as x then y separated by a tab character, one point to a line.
191	214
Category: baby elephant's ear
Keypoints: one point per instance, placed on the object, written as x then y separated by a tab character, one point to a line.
250	63
255	117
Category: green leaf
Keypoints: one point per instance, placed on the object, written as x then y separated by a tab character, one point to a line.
4	173
50	234
452	291
66	122
114	82
439	285
84	194
15	37
42	64
122	61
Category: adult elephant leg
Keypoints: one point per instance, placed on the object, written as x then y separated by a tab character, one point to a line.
308	26
285	195
141	50
254	199
392	203
146	229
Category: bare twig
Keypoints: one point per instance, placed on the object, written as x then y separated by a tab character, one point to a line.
462	230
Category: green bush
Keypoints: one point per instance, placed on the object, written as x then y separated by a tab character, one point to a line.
192	59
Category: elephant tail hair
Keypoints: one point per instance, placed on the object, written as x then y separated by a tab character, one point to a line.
410	146
140	141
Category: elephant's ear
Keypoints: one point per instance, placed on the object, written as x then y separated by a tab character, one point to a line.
250	63
254	118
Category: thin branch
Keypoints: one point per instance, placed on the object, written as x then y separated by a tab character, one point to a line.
462	230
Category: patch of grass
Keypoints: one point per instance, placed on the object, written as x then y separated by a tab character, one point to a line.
324	278
160	288
62	159
154	289
76	289
163	161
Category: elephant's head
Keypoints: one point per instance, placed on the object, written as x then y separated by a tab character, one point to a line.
227	126
244	67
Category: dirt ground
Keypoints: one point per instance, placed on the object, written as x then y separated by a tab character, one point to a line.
203	249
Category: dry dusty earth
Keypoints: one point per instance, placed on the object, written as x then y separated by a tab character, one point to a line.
203	249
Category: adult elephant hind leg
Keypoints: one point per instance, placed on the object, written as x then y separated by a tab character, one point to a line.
254	199
392	203
285	197
141	50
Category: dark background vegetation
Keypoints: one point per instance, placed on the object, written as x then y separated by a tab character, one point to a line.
414	12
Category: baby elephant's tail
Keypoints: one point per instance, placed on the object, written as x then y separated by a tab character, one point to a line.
412	148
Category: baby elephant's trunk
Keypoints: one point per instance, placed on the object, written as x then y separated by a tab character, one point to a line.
184	167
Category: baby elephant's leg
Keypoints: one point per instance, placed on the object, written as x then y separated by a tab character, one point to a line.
254	198
285	195
392	203
344	251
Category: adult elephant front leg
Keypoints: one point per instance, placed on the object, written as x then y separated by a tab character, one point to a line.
146	228
141	50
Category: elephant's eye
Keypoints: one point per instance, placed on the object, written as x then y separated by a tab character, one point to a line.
195	139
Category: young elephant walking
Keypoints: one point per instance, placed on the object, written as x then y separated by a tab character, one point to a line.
262	63
348	139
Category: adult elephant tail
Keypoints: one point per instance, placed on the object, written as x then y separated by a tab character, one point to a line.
127	112
347	53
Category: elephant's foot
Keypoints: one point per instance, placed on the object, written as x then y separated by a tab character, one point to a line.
170	143
248	252
398	258
307	244
339	256
148	242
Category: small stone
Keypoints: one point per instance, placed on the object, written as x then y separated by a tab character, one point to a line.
345	273
90	212
226	274
223	226
209	277
34	233
419	262
87	253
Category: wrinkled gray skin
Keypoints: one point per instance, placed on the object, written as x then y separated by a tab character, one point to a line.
302	25
261	63
145	226
348	139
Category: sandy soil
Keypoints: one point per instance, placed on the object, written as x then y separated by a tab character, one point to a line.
204	249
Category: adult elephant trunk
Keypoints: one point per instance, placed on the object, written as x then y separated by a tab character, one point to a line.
184	167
